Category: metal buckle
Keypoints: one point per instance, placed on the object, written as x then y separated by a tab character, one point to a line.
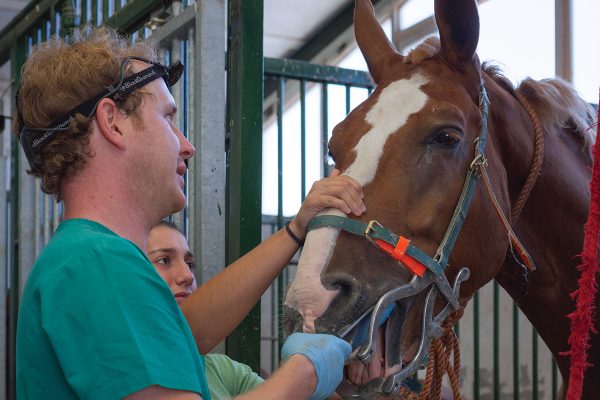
369	228
478	164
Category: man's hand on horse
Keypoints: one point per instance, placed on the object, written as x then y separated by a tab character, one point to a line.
327	353
336	191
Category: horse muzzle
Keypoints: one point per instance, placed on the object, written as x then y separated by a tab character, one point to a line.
431	327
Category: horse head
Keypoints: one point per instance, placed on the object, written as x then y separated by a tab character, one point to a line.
413	145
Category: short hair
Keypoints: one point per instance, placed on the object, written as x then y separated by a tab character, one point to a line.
57	77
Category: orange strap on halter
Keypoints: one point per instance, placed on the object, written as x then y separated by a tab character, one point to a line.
399	253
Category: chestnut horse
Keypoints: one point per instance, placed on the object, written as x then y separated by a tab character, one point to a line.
423	146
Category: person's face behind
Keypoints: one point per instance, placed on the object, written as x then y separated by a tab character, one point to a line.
169	252
159	150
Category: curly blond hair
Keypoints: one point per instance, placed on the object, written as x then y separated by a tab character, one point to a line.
57	77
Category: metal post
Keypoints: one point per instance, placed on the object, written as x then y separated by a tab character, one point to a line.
324	128
5	146
496	340
563	35
303	138
476	371
516	362
17	57
245	92
282	278
207	172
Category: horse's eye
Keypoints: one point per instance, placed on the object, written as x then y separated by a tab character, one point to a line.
447	138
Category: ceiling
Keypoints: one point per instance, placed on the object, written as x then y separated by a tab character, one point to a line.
8	10
288	24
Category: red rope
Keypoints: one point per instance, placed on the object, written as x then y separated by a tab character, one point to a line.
582	319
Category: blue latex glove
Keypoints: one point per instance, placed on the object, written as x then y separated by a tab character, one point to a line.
327	353
360	334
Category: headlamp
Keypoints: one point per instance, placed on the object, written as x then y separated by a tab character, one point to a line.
34	140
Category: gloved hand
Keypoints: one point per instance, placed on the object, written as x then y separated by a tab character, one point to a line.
326	352
362	330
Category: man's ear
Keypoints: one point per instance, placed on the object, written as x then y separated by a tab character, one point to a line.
110	122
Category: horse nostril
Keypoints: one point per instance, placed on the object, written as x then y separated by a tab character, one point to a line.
348	288
341	308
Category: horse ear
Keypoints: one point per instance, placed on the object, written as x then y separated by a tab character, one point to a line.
458	23
372	41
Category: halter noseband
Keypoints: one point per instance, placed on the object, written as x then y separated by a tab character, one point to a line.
428	273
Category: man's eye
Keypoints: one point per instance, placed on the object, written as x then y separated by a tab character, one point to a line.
191	265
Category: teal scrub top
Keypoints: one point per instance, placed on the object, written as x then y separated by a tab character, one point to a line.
97	322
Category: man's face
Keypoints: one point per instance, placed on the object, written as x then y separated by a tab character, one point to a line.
159	150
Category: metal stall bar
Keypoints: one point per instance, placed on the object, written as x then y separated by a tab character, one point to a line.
131	16
516	362
496	341
175	47
563	26
476	380
324	127
280	111
535	359
302	139
244	88
282	277
18	54
554	379
295	69
348	99
5	167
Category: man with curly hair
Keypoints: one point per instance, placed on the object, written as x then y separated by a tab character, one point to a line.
95	120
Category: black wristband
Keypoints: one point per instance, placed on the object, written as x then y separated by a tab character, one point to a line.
292	235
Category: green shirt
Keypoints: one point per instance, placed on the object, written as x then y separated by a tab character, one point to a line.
227	378
97	322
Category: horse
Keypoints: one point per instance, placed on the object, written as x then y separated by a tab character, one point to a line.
466	179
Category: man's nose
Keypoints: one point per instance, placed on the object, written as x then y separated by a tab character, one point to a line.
186	148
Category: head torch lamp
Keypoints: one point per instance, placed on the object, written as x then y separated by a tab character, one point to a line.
34	140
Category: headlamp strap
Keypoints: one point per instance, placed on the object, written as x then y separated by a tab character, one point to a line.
128	85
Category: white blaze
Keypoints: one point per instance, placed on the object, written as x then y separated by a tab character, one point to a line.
395	104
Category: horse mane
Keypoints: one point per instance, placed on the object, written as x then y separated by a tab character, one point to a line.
555	100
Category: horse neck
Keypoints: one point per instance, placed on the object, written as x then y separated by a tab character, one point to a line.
550	226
